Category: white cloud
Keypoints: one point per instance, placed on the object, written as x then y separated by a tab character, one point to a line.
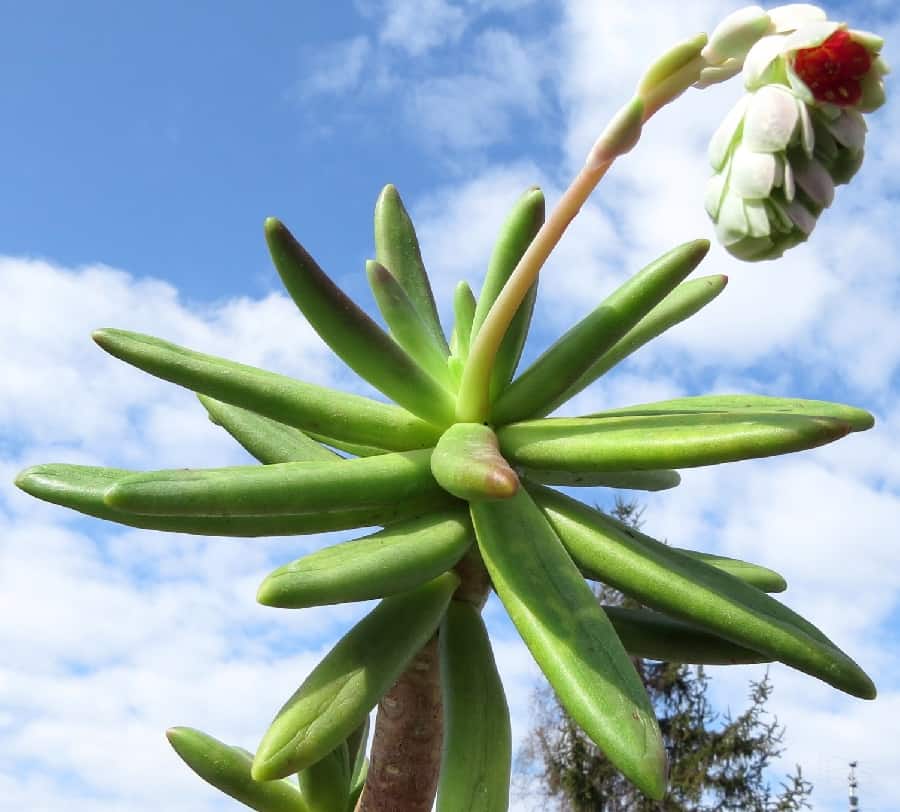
338	68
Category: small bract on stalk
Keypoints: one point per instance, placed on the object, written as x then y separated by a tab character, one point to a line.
458	472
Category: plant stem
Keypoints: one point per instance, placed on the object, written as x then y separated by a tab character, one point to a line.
406	749
474	390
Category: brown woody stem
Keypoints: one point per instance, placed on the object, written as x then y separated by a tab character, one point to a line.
406	749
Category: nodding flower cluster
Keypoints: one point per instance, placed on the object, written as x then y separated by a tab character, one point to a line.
799	130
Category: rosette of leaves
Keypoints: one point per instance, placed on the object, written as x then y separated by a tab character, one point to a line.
465	507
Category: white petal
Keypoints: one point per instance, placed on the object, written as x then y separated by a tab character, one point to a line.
752	173
751	249
849	128
810	35
760	58
757	219
789	189
872	93
790	17
779	170
720	73
770	120
871	42
723	137
733	37
814	179
798	86
732	223
712	201
801	217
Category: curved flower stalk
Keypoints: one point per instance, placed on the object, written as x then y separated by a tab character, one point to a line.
798	132
458	474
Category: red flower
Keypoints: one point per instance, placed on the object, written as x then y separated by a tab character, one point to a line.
833	70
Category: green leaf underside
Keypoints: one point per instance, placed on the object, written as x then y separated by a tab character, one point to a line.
356	449
761	577
228	769
267	440
286	488
467	463
622	480
397	248
655	636
356	745
682	303
689	589
394	560
516	234
572	354
344	687
652	442
406	326
311	408
351	333
325	785
571	639
82	488
857	419
477	752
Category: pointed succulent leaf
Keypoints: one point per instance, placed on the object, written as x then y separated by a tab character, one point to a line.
285	488
344	687
325	785
82	488
357	742
858	419
406	325
655	636
304	405
652	442
686	588
761	577
267	440
397	248
467	463
682	303
627	480
464	306
476	757
570	637
516	234
393	560
349	331
228	769
356	449
571	355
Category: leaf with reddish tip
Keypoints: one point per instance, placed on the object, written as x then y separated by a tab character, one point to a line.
467	463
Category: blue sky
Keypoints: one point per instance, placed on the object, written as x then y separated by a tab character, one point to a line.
144	148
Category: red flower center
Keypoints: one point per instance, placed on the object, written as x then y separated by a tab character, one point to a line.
833	69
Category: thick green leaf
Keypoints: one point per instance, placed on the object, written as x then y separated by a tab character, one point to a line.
685	587
394	560
314	409
572	354
656	636
228	769
627	480
761	577
653	442
342	689
397	248
516	234
325	785
266	439
286	488
857	419
464	313
349	331
570	637
356	449
406	326
82	488
477	753
682	303
467	463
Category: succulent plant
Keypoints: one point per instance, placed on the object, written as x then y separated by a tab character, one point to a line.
459	472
